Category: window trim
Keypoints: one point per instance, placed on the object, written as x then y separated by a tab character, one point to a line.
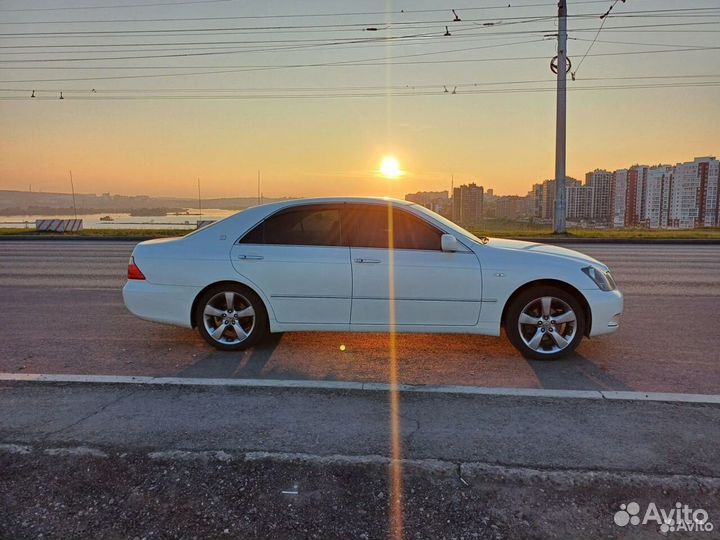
344	206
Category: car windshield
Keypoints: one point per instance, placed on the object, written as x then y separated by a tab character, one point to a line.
447	223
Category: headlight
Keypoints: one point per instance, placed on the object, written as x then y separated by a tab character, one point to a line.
601	278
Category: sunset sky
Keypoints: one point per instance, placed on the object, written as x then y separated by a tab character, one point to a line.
319	129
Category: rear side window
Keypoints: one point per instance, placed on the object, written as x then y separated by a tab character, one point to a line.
369	226
304	226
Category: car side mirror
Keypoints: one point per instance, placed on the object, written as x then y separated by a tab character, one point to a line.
449	243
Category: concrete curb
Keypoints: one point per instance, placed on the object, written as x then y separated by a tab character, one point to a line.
59	238
460	469
609	395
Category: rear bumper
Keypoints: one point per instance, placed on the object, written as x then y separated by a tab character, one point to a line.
169	304
606	308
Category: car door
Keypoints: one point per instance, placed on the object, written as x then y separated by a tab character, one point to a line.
298	260
397	259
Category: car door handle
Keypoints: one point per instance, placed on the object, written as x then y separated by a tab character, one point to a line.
250	257
359	260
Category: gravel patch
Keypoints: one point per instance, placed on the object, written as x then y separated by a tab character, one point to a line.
220	494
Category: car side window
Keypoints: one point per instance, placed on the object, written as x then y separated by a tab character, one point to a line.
313	226
411	232
369	226
366	226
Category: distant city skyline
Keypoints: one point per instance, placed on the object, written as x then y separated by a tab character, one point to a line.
682	196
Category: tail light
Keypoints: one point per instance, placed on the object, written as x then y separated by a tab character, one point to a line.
133	270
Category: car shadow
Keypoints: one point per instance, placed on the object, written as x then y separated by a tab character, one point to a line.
574	372
234	364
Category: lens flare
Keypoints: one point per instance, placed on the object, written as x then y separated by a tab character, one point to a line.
396	467
390	167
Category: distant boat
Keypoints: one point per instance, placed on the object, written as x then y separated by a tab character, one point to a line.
106	218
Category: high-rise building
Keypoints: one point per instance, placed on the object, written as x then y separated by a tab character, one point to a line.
424	198
543	196
467	205
536	201
600	184
548	204
618	195
656	200
489	209
694	194
437	201
635	195
512	207
578	201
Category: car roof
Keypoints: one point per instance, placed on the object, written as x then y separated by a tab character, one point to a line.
337	200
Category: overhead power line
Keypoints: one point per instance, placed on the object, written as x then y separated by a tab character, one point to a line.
120	6
219	70
117	6
191	54
376	25
603	18
485	29
701	11
478	34
384	94
353	27
408	86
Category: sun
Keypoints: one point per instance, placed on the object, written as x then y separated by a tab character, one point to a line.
390	167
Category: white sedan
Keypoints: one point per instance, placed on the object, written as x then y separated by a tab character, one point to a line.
368	265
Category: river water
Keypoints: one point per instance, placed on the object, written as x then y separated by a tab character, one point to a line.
125	221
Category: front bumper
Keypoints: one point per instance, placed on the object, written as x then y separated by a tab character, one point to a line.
606	308
169	304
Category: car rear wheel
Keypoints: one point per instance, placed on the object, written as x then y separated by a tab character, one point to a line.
545	323
231	317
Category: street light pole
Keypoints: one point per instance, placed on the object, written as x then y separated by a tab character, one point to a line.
561	120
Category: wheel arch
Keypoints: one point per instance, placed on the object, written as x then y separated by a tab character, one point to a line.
587	312
193	322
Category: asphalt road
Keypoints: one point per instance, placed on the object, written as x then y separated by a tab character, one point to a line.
106	461
61	311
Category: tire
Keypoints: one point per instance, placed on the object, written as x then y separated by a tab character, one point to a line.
231	317
543	329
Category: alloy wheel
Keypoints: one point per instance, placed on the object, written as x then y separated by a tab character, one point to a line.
547	325
229	318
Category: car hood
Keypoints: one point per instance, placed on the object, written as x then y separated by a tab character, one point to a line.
543	249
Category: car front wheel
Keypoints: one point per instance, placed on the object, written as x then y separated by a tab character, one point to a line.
545	323
231	317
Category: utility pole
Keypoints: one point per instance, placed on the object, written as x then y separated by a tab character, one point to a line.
72	188
199	198
561	120
258	194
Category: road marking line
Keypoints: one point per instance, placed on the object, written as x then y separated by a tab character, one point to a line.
365	386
